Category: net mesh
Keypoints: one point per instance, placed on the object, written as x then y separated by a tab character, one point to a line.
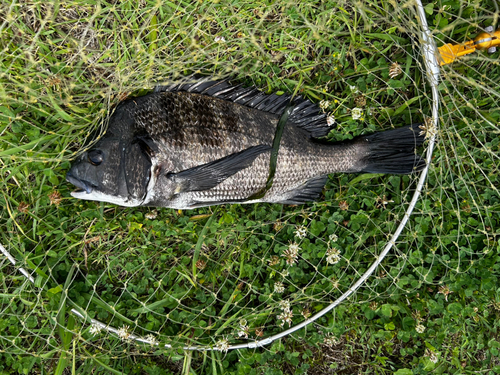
214	277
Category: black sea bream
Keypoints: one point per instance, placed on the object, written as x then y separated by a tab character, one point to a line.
209	143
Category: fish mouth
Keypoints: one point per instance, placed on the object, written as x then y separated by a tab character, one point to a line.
81	185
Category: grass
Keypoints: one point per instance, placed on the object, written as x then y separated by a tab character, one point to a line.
213	275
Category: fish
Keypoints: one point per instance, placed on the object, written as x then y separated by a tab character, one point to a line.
210	142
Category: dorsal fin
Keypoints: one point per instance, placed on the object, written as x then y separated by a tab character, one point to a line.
305	115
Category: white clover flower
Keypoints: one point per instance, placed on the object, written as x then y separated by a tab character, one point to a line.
332	256
433	357
330	340
420	328
301	232
356	113
330	120
333	237
278	287
383	202
222	345
274	260
244	329
243	332
151	215
286	317
428	129
123	332
306	313
284	305
95	329
445	290
395	70
151	339
324	104
291	254
220	39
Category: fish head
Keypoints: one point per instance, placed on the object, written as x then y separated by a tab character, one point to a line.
114	170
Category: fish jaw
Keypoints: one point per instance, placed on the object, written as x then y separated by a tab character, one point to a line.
80	184
87	191
101	197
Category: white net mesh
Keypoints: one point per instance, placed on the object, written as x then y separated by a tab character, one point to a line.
230	275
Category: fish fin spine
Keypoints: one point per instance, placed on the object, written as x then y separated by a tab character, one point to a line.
305	115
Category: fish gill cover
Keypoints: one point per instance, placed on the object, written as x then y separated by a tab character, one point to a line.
215	277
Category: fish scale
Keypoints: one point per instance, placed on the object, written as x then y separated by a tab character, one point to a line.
294	167
209	143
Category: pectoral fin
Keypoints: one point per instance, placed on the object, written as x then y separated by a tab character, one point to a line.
209	175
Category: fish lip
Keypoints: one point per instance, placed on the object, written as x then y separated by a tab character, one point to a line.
80	184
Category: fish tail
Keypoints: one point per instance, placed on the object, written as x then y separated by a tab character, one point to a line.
393	151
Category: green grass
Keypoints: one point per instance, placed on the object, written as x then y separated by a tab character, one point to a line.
199	277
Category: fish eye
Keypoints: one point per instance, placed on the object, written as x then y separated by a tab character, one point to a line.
95	157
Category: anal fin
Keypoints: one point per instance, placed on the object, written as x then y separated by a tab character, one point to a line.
309	191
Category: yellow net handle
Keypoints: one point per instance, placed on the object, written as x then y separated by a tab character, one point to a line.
486	40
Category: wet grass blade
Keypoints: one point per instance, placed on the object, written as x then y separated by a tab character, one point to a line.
199	243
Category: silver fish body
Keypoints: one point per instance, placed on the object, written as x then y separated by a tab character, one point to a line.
210	143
